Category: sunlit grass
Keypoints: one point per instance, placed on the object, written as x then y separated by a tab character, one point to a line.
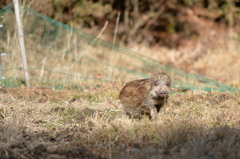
190	126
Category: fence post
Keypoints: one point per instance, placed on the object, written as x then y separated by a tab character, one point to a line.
1	75
21	41
1	54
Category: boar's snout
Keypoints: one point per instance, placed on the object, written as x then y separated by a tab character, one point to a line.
163	91
163	94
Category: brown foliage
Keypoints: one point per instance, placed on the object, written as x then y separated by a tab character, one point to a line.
172	23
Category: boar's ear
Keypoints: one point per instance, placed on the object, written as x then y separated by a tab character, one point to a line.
169	79
164	74
152	78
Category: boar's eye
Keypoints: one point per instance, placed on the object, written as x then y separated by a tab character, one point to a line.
156	83
167	83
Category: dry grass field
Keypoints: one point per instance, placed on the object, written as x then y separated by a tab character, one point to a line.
47	123
44	123
39	122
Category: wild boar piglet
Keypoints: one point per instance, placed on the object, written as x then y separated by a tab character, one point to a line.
146	96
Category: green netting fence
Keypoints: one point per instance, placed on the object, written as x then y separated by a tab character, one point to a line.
60	56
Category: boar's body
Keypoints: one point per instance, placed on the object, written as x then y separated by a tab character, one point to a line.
145	96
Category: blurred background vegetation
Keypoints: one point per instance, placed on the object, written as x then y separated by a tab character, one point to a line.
176	24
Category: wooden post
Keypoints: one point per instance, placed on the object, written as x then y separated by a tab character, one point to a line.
21	41
1	75
1	54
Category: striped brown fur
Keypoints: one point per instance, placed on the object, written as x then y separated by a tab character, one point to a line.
146	96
